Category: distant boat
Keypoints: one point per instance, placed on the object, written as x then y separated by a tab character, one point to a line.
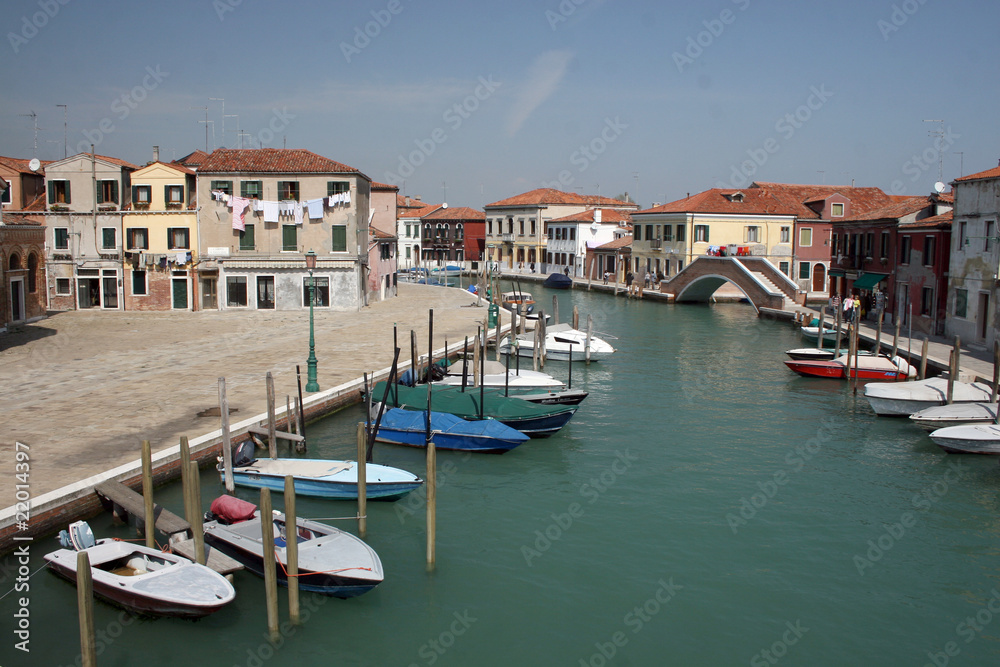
331	561
517	301
866	368
142	580
905	398
969	439
955	414
409	428
319	478
813	332
560	340
558	281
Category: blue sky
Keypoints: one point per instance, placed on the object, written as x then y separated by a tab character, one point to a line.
475	102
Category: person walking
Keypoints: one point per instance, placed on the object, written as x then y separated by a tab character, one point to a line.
606	274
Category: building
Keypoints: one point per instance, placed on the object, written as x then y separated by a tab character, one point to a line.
383	245
517	227
409	211
922	281
452	235
85	194
21	185
160	232
612	257
262	210
572	236
974	263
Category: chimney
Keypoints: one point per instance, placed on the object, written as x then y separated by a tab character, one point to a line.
407	201
156	153
597	215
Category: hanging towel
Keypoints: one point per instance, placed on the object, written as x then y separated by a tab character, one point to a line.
258	205
271	211
240	205
286	208
181	258
346	197
315	209
298	212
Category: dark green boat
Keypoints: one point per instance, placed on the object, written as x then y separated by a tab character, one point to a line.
532	419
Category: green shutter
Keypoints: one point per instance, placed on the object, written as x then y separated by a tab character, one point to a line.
99	192
289	238
114	191
135	194
52	192
166	195
339	238
67	191
247	237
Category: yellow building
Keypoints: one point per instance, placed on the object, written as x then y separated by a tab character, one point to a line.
160	230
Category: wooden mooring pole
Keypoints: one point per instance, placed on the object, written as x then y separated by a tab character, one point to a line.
300	411
193	501
272	438
270	571
590	336
923	359
227	445
148	518
432	457
185	460
555	309
953	370
85	605
363	480
576	318
292	550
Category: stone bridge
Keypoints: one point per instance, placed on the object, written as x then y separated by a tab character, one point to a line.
760	280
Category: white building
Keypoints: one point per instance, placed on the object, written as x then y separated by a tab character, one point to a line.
570	236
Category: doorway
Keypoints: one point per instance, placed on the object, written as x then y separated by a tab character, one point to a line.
209	294
819	277
17	300
180	293
983	316
265	292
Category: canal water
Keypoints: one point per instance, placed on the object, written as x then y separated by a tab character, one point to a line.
704	507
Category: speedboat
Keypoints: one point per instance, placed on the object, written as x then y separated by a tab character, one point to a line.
561	340
144	581
863	368
905	398
955	414
817	353
330	561
813	332
969	439
517	301
495	374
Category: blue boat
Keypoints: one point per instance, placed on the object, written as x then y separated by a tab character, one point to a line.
408	427
320	478
558	281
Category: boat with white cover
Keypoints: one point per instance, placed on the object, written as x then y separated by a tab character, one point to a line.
144	581
560	339
496	374
942	416
905	398
969	439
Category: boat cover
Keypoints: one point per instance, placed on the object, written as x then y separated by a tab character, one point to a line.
230	509
397	419
466	405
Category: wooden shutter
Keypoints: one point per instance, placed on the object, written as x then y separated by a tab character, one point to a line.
339	238
135	194
99	192
114	191
289	238
67	190
52	192
166	195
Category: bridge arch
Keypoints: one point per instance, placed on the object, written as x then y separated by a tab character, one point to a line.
759	280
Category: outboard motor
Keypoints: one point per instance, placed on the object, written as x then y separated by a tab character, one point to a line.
244	454
78	537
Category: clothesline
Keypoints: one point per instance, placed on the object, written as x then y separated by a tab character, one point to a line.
273	210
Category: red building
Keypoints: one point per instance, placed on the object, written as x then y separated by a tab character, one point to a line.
922	282
453	234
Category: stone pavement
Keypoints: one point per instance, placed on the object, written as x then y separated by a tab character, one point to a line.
83	388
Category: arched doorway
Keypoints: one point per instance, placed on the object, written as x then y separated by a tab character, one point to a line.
819	278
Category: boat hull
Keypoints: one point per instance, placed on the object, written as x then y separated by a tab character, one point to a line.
956	414
969	439
905	399
383	482
409	429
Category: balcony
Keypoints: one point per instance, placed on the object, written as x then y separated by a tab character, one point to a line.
655	244
506	238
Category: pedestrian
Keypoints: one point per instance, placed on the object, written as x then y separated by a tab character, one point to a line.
566	270
645	282
606	274
848	309
857	307
835	303
628	282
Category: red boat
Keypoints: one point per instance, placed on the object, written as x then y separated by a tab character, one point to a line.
868	368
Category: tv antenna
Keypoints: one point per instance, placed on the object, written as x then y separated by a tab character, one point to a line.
65	130
34	117
237	117
223	100
206	124
938	133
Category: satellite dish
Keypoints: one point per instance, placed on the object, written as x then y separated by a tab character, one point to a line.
939	187
34	165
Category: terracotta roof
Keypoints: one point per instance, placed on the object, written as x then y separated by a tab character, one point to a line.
892	211
380	234
271	160
414	202
989	173
36	204
608	215
425	209
21	165
384	187
862	199
756	201
543	196
620	242
455	213
195	159
14	219
173	165
106	158
943	220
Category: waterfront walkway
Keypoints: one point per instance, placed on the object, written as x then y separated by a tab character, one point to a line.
83	388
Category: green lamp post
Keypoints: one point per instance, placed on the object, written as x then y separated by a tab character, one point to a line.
312	384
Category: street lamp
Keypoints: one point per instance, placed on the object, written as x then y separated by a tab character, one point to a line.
311	384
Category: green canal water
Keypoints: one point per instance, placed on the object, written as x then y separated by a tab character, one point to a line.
704	507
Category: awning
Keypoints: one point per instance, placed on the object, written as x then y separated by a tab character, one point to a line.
869	280
837	273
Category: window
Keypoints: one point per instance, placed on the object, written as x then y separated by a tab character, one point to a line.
139	283
408	252
961	234
59	192
489	227
137	238
804	270
460	232
288	190
961	302
236	291
339	239
926	301
836	210
532	221
223	186
510	225
178	238
638	233
62	286
930	244
883	250
783	267
805	237
752	234
700	234
247	238
265	292
107	192
321	291
869	244
5	194
668	232
142	195
289	238
428	231
337	187
989	232
904	250
109	238
385	251
572	233
681	231
173	195
520	227
786	235
252	189
62	238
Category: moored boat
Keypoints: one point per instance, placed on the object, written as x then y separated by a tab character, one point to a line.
813	332
955	414
142	580
517	301
496	374
968	439
905	398
557	281
562	343
409	428
816	353
863	368
330	561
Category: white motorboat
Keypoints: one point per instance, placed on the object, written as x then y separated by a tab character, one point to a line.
905	398
560	339
142	580
496	374
813	333
969	439
942	416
